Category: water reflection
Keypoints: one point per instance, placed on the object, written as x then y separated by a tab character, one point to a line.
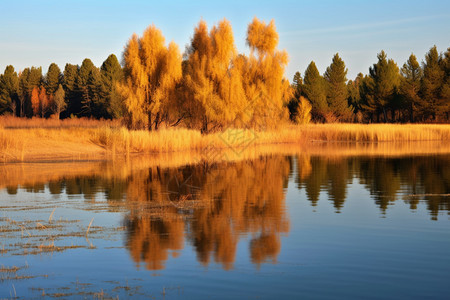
411	179
213	206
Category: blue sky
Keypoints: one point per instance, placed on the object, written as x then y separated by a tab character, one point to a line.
36	33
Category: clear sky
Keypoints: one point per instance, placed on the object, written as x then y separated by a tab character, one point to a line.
37	33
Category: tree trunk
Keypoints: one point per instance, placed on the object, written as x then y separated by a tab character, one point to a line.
150	122
22	104
157	121
385	115
205	125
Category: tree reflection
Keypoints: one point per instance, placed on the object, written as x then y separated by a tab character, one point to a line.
218	204
413	179
212	206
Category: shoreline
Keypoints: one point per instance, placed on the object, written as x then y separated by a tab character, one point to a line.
38	171
70	144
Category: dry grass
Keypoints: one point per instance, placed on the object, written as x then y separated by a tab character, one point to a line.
10	122
87	140
358	133
122	140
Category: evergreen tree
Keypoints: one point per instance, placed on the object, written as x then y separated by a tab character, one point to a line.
385	74
446	86
111	73
353	92
28	80
9	87
297	85
315	92
52	78
89	86
72	95
410	86
432	84
294	103
337	93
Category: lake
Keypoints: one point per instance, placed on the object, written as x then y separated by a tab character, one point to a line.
274	226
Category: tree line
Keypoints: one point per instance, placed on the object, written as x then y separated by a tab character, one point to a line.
83	91
413	93
211	85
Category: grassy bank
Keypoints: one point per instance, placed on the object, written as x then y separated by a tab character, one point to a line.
88	140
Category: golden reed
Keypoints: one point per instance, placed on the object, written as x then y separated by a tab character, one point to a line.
82	139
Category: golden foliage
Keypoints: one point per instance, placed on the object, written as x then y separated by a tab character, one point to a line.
35	101
152	71
262	37
222	88
211	80
303	115
228	200
263	76
44	102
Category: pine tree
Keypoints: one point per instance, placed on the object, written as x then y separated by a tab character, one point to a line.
367	101
297	85
297	88
410	86
432	83
89	86
53	78
445	92
28	80
315	92
72	95
9	86
337	92
111	73
354	92
386	77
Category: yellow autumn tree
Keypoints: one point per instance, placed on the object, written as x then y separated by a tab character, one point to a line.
35	101
303	114
151	72
44	102
263	75
214	94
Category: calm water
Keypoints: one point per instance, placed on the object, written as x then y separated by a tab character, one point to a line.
276	227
